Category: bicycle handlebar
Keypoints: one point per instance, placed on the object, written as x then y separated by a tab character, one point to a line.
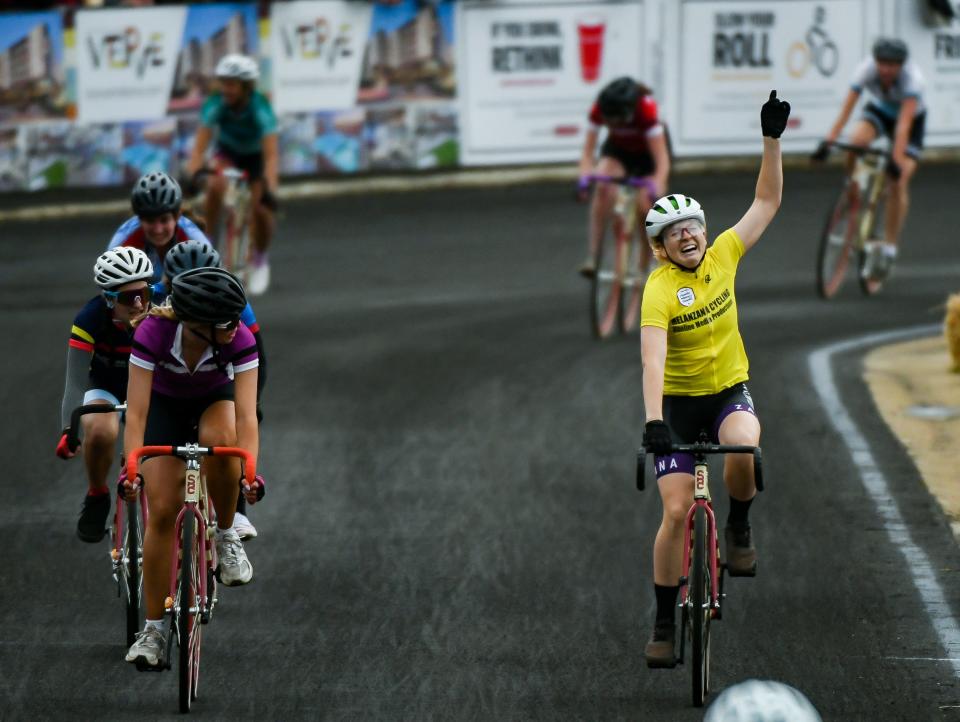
700	449
249	463
633	181
73	438
859	150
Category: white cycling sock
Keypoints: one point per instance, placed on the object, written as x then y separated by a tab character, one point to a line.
890	250
155	623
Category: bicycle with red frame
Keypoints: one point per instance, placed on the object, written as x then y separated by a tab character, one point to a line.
701	580
126	533
193	584
616	285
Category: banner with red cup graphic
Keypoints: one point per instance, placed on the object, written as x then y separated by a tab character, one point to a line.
530	72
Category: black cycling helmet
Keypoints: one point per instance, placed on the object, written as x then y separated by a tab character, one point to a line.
154	194
892	50
618	98
209	295
187	255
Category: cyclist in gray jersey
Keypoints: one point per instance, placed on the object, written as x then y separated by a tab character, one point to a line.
895	109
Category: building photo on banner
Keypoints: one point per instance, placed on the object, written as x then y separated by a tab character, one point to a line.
530	71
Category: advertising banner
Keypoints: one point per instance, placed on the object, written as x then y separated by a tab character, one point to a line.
31	67
735	53
210	32
530	72
317	49
126	59
936	50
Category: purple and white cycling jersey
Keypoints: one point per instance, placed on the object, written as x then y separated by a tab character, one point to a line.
158	347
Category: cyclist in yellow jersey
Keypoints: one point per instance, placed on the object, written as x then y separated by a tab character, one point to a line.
695	368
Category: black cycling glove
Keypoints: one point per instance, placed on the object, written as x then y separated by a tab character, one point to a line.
821	153
773	116
893	169
269	200
656	438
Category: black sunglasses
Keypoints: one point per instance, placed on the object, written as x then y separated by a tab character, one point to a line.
227	326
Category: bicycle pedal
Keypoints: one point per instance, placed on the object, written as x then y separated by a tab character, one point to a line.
662	665
142	666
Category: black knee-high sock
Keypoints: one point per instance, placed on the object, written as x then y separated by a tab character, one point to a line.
666	602
739	510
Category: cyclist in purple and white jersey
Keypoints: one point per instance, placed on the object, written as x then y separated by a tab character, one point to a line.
158	222
895	109
193	378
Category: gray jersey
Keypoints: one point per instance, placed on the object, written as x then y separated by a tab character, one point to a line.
888	100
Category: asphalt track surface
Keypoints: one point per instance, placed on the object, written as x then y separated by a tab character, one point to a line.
452	529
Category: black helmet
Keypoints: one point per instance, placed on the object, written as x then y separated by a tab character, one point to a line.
893	50
187	255
210	295
619	98
154	194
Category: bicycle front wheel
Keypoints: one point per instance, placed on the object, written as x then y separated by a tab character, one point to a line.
605	290
188	605
700	613
132	569
836	242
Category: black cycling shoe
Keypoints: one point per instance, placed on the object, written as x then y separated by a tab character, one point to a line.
92	525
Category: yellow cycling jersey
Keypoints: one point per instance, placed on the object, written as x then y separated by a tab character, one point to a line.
698	310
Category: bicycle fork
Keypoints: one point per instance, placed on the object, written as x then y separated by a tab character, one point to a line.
702	499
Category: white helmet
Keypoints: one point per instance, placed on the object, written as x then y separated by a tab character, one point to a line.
240	67
670	209
120	266
759	700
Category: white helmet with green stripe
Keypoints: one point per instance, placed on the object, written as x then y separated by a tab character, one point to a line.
670	209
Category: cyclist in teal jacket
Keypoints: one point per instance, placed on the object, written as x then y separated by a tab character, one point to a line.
246	130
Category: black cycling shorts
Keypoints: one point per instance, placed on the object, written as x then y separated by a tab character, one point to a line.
687	416
638	165
885	125
252	163
174	421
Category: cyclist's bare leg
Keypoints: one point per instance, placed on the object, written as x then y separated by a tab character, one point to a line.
863	135
218	427
676	493
100	433
262	219
213	203
898	201
164	487
644	202
604	199
740	428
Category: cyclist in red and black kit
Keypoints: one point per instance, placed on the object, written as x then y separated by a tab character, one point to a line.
635	146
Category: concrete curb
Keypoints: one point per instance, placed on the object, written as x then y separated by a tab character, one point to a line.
466	178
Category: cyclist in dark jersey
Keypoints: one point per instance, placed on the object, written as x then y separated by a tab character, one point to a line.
635	146
193	378
246	139
158	221
97	373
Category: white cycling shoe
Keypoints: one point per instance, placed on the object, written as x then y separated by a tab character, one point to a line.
234	568
148	649
258	277
244	527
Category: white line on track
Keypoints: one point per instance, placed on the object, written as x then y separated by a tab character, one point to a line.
875	483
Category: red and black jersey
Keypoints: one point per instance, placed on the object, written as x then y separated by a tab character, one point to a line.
633	137
94	330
